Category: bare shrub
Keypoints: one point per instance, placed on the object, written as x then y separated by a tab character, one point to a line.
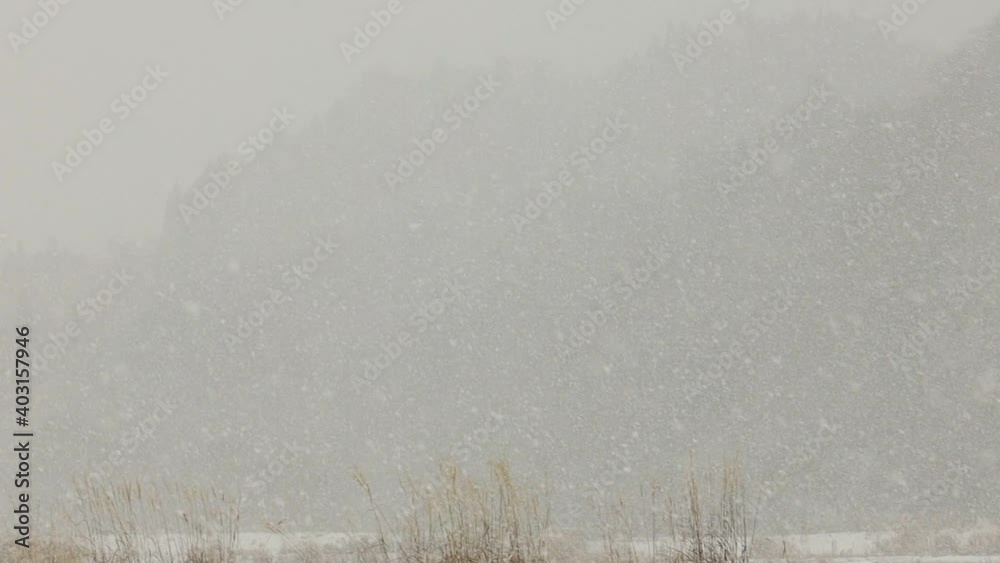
983	543
458	520
711	524
618	534
133	522
43	552
718	526
774	548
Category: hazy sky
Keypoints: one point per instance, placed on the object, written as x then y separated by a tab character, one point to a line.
226	76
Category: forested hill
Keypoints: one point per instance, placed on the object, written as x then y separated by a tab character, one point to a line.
849	268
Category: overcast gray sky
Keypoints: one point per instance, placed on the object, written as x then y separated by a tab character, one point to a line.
226	76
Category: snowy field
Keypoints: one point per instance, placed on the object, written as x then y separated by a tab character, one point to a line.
842	546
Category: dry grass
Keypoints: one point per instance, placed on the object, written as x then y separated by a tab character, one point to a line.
711	524
457	520
134	522
983	543
454	519
773	548
43	552
929	536
719	530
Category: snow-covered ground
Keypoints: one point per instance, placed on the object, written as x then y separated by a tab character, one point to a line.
842	546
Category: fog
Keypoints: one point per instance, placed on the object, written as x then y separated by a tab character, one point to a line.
261	249
223	73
